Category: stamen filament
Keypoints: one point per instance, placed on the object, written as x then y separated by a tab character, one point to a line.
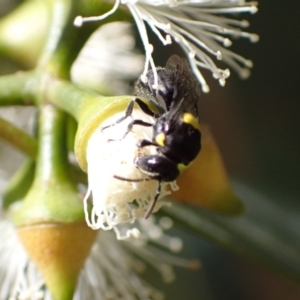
148	47
79	20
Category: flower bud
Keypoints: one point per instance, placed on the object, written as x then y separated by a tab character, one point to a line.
59	252
205	182
50	219
19	30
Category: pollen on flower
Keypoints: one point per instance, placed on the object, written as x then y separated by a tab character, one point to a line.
254	38
168	39
227	42
117	201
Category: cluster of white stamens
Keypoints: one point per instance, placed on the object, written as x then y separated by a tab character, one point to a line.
199	26
118	201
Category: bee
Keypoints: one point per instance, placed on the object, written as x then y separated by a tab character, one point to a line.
176	130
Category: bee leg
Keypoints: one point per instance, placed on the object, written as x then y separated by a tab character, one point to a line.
142	105
158	191
152	204
132	180
129	127
128	113
136	122
145	143
145	108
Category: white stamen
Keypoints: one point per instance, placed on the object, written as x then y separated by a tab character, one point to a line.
222	81
79	20
175	244
254	38
231	10
194	24
244	73
166	223
167	40
227	42
148	47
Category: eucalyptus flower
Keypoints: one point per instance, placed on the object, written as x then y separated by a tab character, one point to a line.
201	27
118	201
109	159
202	30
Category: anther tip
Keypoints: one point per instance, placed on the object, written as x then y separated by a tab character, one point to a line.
78	21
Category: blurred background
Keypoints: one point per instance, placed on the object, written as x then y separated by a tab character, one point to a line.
256	123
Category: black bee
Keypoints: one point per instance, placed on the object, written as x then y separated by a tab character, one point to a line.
176	130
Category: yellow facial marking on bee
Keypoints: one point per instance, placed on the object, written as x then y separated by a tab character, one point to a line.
160	139
190	119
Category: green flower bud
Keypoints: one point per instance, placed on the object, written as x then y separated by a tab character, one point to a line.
50	219
20	37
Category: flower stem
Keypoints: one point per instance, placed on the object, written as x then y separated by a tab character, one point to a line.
53	196
18	138
67	97
59	12
52	154
28	145
19	183
52	159
18	89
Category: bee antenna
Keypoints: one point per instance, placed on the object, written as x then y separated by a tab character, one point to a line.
131	179
152	204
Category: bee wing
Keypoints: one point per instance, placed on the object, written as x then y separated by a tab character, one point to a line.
174	62
187	91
